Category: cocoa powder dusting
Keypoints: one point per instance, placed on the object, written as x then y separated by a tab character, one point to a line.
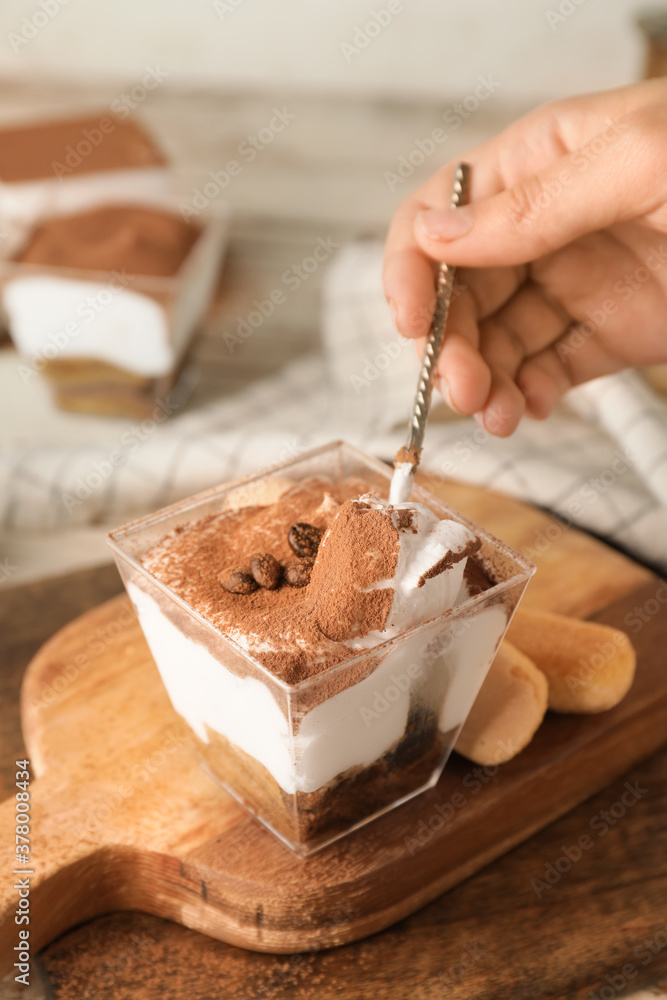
476	578
145	241
282	632
406	520
295	632
449	560
408	456
344	606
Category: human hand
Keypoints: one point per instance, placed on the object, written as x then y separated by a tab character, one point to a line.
562	255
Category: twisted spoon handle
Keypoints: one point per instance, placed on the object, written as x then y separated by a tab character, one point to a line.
444	289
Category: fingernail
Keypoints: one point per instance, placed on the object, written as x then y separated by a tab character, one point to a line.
448	224
479	418
445	392
393	308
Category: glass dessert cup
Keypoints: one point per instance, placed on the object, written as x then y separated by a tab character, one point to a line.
110	343
317	759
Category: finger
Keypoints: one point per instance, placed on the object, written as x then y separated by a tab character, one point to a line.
525	325
575	358
525	148
462	375
490	288
543	380
408	274
549	209
504	406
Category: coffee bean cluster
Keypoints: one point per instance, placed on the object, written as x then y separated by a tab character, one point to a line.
265	571
237	580
297	573
304	539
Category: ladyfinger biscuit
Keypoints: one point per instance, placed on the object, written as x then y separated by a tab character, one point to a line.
507	711
589	667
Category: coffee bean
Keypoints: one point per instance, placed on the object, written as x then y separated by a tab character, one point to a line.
297	574
266	570
237	580
304	539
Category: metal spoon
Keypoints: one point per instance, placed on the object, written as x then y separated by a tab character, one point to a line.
407	457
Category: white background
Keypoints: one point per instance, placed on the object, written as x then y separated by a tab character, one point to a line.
431	47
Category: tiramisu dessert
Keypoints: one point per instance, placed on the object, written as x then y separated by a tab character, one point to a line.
324	645
106	301
64	164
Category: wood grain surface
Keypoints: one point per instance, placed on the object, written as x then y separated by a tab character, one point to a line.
522	797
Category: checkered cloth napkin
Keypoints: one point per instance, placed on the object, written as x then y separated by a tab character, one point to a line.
599	462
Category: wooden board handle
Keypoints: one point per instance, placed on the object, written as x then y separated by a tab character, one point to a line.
64	836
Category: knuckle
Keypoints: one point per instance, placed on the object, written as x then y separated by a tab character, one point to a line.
524	199
640	148
526	202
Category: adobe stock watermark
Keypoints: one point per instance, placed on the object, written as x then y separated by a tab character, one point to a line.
466	447
292	279
33	24
87	310
587	667
400	682
397	685
143	773
95	644
600	824
225	7
625	288
247	151
7	570
453	117
471	954
122	106
129	442
372	368
574	508
291	448
566	8
642	614
444	812
645	953
580	159
390	351
364	34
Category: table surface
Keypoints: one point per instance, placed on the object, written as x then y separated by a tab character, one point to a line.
448	949
324	175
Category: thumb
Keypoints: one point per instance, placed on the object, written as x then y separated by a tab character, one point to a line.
613	178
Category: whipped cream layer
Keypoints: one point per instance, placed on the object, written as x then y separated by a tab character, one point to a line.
57	313
382	568
22	203
362	697
52	317
425	543
354	727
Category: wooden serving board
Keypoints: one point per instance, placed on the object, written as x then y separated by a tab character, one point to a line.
123	817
